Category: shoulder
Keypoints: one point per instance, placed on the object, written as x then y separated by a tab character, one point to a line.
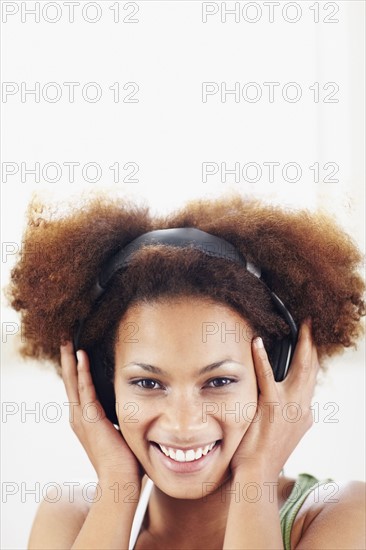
59	517
332	516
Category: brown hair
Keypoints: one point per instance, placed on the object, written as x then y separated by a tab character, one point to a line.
306	259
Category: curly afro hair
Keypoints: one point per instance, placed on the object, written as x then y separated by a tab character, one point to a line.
307	260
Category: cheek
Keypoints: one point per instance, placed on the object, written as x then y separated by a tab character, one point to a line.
236	425
133	434
237	412
248	410
128	414
135	417
129	410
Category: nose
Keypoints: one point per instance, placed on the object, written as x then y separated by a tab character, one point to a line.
182	419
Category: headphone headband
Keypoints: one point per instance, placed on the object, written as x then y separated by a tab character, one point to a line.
182	237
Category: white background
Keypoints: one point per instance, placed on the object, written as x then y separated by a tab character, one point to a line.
169	132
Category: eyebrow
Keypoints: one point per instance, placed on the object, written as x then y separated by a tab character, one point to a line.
157	370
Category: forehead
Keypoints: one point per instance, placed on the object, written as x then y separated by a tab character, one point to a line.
158	331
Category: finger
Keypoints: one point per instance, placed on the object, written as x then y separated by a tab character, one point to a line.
315	361
263	369
86	386
302	361
69	372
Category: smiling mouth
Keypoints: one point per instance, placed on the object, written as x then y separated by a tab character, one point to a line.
188	455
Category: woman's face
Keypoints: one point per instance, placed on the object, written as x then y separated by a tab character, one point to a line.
184	380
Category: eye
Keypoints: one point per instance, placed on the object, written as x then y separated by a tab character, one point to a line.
220	382
146	383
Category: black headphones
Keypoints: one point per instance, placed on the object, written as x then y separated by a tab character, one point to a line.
179	237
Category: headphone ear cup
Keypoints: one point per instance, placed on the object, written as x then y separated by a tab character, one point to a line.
283	350
275	358
103	385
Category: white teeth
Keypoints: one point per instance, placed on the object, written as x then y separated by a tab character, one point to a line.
164	449
205	450
198	454
190	455
180	456
186	456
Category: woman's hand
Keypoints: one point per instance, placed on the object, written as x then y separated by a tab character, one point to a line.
283	413
104	444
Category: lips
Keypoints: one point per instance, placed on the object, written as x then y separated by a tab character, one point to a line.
186	455
185	467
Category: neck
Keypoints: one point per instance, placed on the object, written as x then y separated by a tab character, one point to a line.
200	522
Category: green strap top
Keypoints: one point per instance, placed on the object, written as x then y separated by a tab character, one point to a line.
303	486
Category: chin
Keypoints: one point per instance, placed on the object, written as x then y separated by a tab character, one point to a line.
192	490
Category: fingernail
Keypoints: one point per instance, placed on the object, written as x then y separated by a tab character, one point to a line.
307	324
258	342
78	355
66	343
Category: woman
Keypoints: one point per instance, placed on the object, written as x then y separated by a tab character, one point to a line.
191	385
